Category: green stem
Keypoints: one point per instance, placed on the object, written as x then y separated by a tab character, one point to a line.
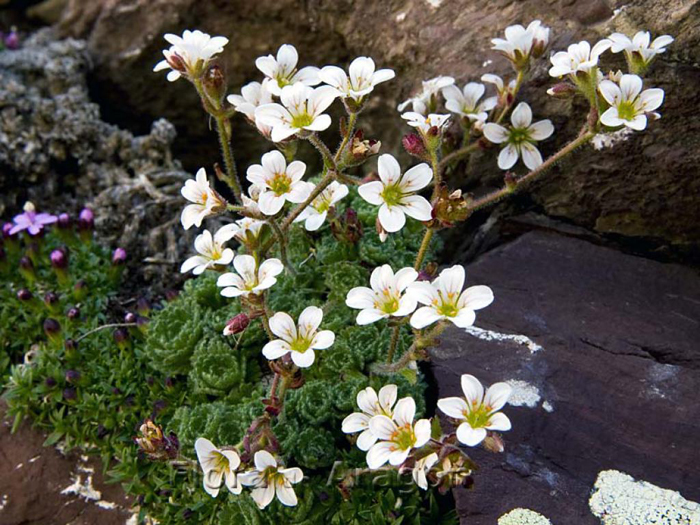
517	184
328	159
518	84
423	249
348	133
437	175
318	189
282	244
393	343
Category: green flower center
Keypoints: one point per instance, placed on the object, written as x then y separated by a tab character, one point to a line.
519	135
300	345
479	416
447	305
392	194
302	120
626	110
387	303
404	437
281	183
220	461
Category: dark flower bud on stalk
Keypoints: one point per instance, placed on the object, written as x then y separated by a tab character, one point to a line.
64	221
50	382
237	324
70	348
169	382
12	40
51	300
52	329
562	90
86	224
25	295
143	307
70	394
59	259
80	291
130	317
73	313
121	337
414	145
119	257
214	83
72	376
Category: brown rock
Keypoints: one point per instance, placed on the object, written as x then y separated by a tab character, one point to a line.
617	375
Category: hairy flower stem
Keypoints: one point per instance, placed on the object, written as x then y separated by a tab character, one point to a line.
266	322
273	387
437	175
222	127
282	244
328	159
392	344
423	248
415	352
518	84
456	156
517	184
350	129
318	189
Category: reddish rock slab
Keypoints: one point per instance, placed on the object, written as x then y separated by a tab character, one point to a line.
618	375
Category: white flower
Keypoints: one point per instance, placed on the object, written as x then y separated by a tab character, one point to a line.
248	230
424	123
421	469
444	299
278	182
249	279
421	103
218	466
361	81
371	405
386	297
497	81
189	53
577	57
628	103
466	102
316	212
299	341
395	193
301	109
268	480
252	95
520	139
282	71
211	250
205	201
397	436
519	41
478	412
640	44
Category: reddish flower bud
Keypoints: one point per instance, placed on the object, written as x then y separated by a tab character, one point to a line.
562	90
72	376
64	221
237	324
215	83
52	327
51	299
24	295
73	313
70	394
414	145
59	259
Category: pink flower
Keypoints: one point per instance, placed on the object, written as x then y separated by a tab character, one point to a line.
31	221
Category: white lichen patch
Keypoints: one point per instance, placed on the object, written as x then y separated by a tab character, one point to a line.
524	394
401	17
523	517
487	63
83	488
547	406
434	3
619	499
490	335
608	140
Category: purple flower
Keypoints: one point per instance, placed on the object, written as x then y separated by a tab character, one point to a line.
119	256
59	259
31	221
12	40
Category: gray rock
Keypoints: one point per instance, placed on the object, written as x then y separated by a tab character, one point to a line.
602	350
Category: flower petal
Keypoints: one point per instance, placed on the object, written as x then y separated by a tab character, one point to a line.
382	426
472	388
304	359
392	218
389	169
454	407
497	396
404	412
276	349
379	454
499	421
507	157
470	436
282	325
424	316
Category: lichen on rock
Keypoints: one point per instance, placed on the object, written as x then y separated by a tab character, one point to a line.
619	499
523	517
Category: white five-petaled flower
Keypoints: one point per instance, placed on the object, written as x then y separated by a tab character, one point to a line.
640	44
249	279
396	193
520	138
205	201
218	466
211	250
421	469
497	81
269	479
252	95
423	123
478	412
578	58
386	298
247	230
444	299
466	102
189	53
520	41
282	70
422	102
397	436
301	109
316	212
278	182
629	105
371	405
299	341
361	80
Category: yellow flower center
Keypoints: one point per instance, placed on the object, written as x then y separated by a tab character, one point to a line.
281	183
404	437
478	416
392	194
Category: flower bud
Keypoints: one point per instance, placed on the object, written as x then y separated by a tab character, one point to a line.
24	295
86	224
214	83
121	337
347	228
494	443
119	257
6	231
59	259
72	377
70	394
414	145
562	90
52	328
143	307
64	221
51	300
49	382
12	40
237	324
70	349
383	235
169	382
130	317
73	313
80	291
